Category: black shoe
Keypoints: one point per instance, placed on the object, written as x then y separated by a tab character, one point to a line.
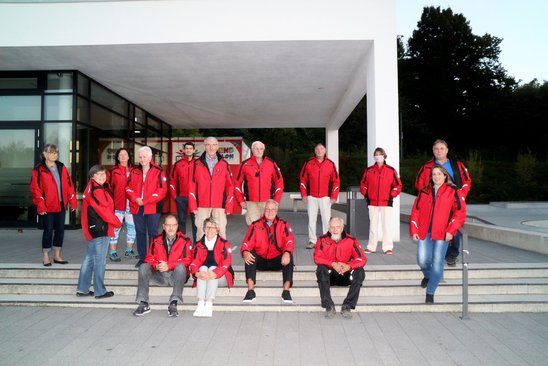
47	264
286	297
142	309
172	309
346	313
429	299
330	312
113	256
60	262
451	260
105	295
81	294
249	296
424	282
138	264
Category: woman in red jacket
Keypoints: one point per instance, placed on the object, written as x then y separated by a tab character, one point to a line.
52	191
438	212
380	184
211	267
98	223
117	179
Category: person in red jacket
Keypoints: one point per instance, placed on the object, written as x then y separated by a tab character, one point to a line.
459	176
211	267
146	190
117	179
438	212
166	263
211	191
52	192
341	262
258	180
380	184
179	187
98	222
268	245
320	186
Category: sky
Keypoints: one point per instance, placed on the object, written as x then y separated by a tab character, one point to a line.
522	25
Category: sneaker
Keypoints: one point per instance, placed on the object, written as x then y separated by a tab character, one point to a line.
424	282
208	310
113	256
142	309
286	297
105	295
451	260
199	309
310	245
130	253
389	252
367	251
346	313
249	296
330	312
172	309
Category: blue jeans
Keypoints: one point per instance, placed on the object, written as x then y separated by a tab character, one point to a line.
144	223
431	259
54	230
182	207
454	248
94	263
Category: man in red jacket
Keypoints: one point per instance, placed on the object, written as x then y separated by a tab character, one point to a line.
211	190
341	262
268	245
258	180
167	262
180	177
320	186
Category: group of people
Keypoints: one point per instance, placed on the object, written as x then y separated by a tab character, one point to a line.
204	188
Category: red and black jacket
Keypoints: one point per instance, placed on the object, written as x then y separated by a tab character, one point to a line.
444	213
258	183
43	189
181	252
211	191
379	185
98	218
319	179
180	177
155	189
268	241
462	178
117	179
347	250
222	254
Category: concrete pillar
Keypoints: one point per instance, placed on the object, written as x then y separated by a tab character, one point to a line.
332	144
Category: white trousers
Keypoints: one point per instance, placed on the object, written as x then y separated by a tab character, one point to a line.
205	290
254	211
380	215
313	205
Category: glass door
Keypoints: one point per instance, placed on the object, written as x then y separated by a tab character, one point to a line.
17	159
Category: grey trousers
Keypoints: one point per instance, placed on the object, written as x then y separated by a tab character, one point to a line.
176	278
205	290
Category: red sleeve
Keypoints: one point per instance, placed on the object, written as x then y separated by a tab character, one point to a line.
303	180
174	182
152	259
103	211
278	183
248	243
466	179
229	187
238	183
199	257
36	192
335	183
289	239
130	187
226	261
72	194
422	178
363	184
160	192
182	259
396	185
459	213
192	203
414	220
320	256
358	258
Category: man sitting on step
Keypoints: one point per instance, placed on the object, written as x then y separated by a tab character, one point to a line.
341	262
167	261
268	245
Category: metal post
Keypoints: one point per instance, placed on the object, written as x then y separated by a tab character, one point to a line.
465	254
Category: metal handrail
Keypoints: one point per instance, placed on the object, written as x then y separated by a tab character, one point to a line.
465	255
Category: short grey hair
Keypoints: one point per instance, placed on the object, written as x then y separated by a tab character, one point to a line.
211	138
339	219
270	200
145	149
255	143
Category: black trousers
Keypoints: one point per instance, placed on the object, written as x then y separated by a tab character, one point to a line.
328	277
274	264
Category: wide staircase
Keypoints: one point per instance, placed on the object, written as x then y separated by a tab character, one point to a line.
492	288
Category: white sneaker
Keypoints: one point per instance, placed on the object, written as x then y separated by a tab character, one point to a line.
208	309
199	309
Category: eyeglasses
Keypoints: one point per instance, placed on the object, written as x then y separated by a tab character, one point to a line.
53	152
270	209
171	225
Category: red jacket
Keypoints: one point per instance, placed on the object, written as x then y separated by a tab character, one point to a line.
320	179
380	185
180	177
117	179
268	241
446	215
347	250
462	177
258	183
44	189
222	254
98	218
155	189
211	191
181	251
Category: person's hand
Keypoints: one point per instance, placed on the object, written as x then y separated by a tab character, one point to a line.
248	258
162	266
448	237
416	237
243	204
139	201
305	199
42	213
285	259
345	267
209	276
332	201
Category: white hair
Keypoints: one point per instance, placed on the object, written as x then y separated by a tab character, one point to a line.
211	138
145	149
340	219
256	143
